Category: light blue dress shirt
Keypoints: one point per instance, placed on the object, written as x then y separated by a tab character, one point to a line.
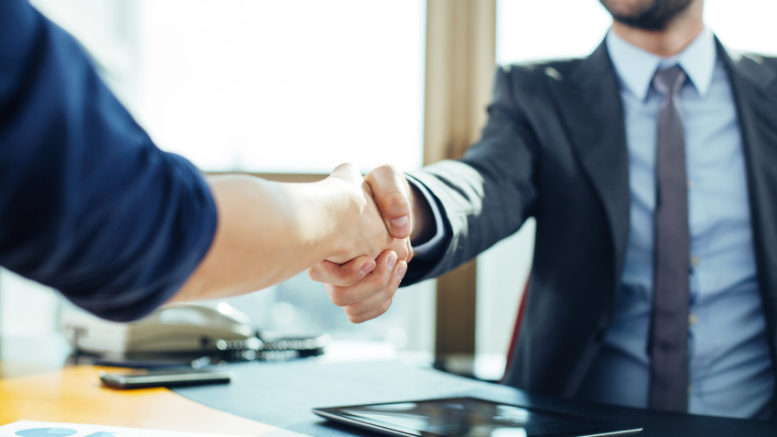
730	366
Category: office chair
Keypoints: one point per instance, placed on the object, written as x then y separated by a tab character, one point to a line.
516	329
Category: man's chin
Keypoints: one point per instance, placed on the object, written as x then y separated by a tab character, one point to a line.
639	23
654	15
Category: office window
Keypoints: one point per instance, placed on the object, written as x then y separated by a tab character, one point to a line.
531	30
744	24
293	86
108	31
284	86
297	86
548	29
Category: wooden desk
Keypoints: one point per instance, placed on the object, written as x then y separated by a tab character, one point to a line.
75	395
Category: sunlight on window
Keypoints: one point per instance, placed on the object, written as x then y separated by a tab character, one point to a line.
284	86
744	24
548	29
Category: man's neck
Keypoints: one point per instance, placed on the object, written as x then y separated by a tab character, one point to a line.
670	41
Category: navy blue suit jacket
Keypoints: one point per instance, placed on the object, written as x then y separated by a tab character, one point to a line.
88	204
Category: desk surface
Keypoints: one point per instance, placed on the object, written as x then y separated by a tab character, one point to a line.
74	395
268	396
283	395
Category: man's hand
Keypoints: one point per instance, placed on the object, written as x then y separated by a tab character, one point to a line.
403	207
366	232
364	295
391	192
362	298
269	231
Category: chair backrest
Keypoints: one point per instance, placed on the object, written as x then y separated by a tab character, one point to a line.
516	329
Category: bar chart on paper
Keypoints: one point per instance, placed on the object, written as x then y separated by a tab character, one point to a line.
45	429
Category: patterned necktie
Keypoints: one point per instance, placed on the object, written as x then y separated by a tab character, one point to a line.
668	345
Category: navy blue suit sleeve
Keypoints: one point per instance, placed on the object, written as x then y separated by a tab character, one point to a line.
88	204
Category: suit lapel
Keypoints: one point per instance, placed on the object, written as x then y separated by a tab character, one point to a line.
753	84
591	107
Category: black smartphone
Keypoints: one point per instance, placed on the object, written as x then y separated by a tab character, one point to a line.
168	378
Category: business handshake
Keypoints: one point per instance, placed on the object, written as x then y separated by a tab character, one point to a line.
366	271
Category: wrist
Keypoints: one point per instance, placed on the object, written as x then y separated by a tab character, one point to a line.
421	215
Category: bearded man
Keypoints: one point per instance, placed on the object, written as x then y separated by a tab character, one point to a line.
651	169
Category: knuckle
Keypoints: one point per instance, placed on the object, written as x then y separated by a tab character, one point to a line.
384	308
338	298
352	310
388	292
357	308
395	204
393	285
313	274
339	277
355	318
345	166
390	169
385	170
389	273
383	281
401	251
383	173
352	279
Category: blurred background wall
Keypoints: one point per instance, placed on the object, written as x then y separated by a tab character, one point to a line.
299	86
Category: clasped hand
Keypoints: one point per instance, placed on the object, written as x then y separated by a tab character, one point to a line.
364	276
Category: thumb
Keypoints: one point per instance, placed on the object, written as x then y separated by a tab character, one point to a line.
391	193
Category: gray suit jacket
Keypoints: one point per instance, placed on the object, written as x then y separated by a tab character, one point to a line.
555	148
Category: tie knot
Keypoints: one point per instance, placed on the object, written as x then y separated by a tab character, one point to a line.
669	81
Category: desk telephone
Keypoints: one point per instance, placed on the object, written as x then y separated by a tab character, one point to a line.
183	331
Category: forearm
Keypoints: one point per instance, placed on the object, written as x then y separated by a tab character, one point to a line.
267	232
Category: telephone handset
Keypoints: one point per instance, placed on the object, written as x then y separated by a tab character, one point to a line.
184	330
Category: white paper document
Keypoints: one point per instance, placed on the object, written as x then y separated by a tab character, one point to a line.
46	429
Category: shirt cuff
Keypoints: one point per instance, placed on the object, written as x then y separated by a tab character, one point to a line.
431	248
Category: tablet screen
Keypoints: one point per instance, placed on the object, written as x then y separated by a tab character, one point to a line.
470	417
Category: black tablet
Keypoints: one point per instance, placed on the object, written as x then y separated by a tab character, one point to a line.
467	417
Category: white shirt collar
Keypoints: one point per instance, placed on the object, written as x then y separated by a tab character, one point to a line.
636	67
